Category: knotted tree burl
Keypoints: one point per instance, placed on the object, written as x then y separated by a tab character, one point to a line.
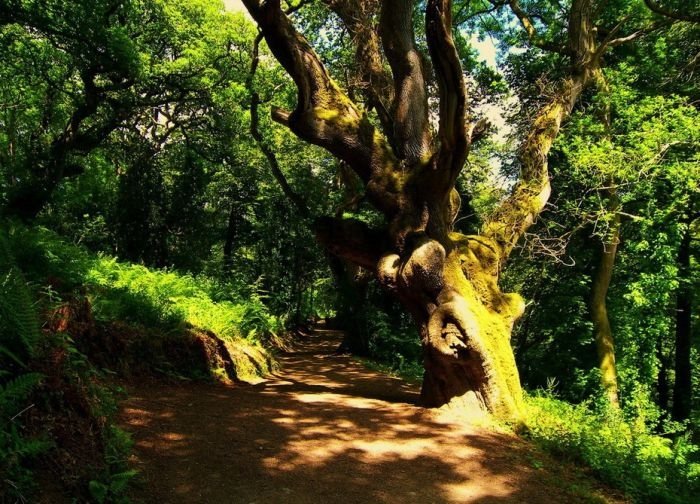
448	281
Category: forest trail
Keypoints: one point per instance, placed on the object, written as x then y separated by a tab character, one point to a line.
325	429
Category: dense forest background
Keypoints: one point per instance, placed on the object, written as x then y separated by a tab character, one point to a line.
156	221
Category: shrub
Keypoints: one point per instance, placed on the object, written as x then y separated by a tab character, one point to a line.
395	345
625	454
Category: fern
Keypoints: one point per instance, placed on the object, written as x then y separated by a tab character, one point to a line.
15	449
31	448
15	391
7	353
19	327
19	335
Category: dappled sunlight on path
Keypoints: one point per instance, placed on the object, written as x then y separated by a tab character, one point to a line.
325	430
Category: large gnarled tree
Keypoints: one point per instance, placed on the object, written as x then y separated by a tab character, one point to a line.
448	281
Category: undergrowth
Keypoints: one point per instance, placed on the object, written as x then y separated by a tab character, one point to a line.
134	293
158	304
56	411
394	346
622	452
19	335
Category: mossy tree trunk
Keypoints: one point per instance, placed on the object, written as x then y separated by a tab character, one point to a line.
604	341
446	280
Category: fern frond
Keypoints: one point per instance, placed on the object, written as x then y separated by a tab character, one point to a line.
17	390
19	325
31	448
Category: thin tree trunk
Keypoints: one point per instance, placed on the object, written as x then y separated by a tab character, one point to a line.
11	133
231	231
352	316
297	289
662	389
683	386
604	341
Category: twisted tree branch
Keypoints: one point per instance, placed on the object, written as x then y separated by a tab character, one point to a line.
532	34
375	82
662	11
267	151
409	109
529	197
324	115
454	140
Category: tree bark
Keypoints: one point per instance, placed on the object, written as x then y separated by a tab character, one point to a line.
466	338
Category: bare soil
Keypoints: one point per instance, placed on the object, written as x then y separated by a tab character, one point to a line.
327	430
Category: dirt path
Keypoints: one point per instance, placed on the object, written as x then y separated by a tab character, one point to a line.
326	430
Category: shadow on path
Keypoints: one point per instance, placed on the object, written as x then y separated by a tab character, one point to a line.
324	430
